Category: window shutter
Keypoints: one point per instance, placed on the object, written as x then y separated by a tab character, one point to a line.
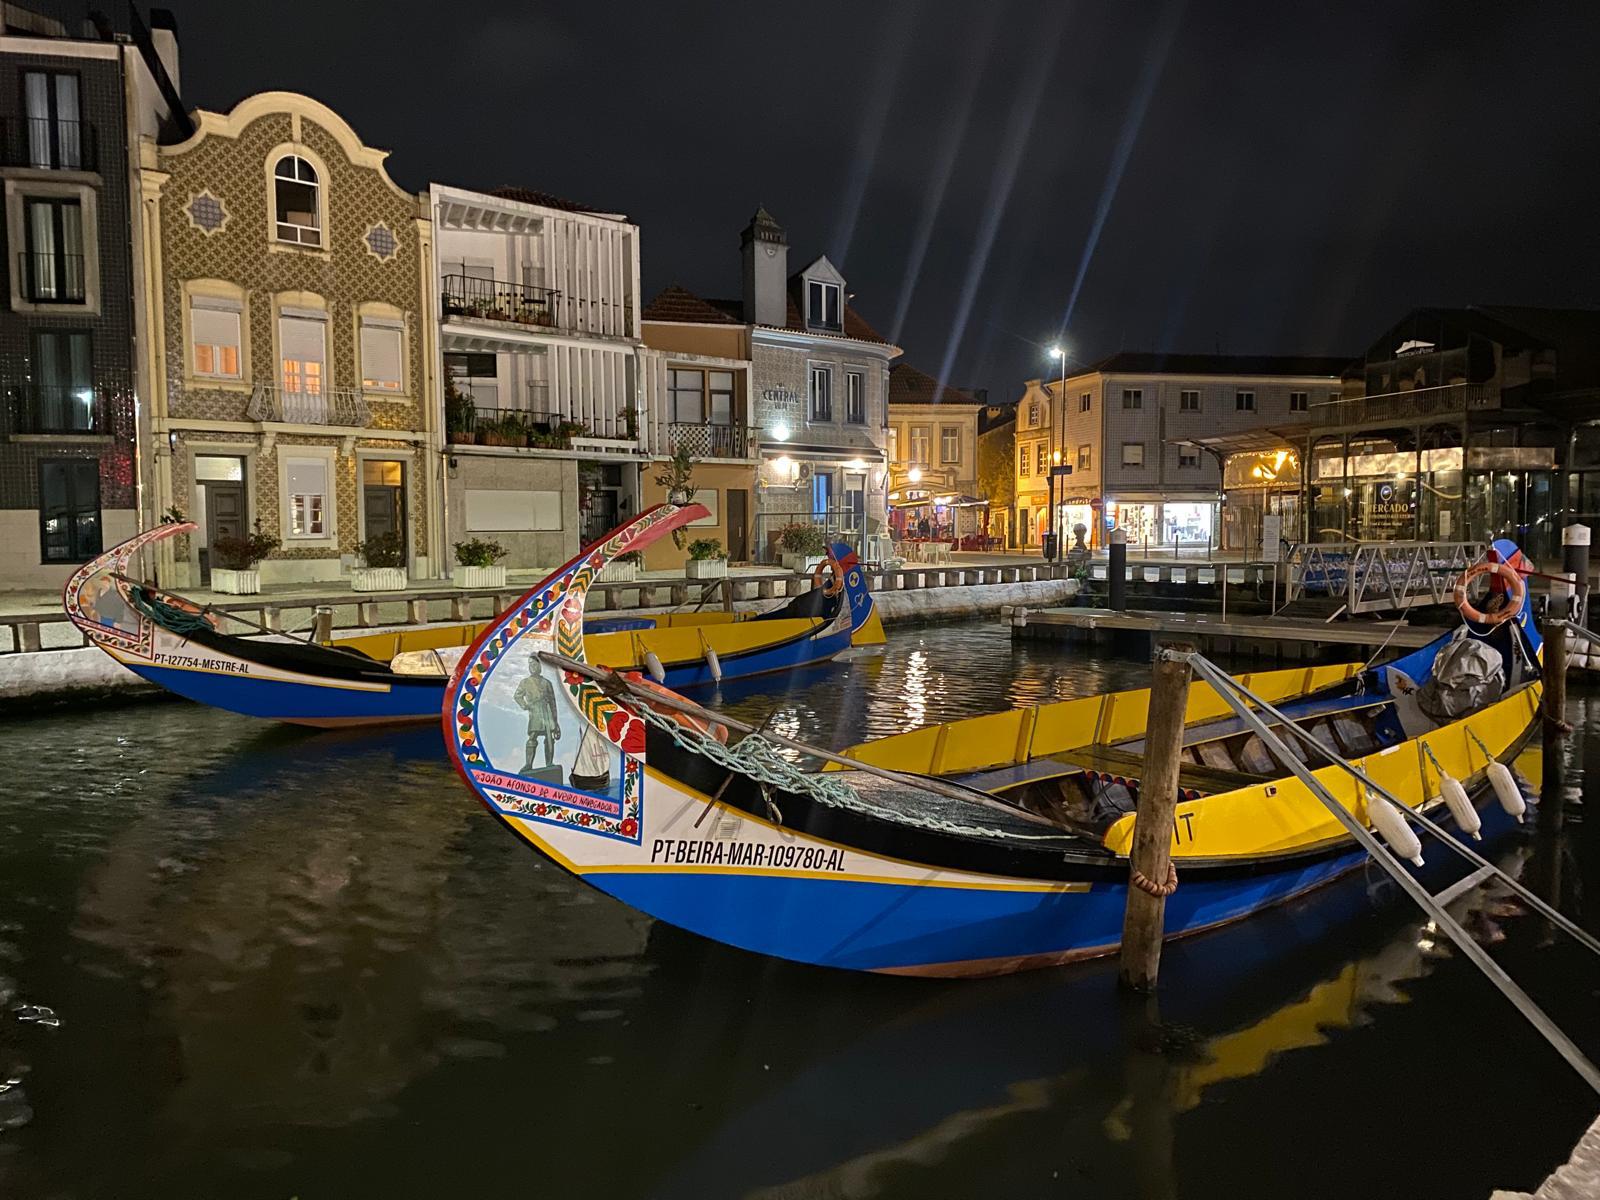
380	356
303	340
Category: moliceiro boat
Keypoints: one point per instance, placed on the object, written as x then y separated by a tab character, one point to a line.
981	846
390	678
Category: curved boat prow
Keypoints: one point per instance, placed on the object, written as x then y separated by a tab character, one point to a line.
96	597
866	629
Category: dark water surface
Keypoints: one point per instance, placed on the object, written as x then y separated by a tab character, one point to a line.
291	964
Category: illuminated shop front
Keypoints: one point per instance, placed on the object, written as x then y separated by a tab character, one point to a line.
1258	484
1169	522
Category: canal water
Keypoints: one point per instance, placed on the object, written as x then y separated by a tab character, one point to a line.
291	964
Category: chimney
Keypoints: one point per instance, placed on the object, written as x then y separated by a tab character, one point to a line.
766	271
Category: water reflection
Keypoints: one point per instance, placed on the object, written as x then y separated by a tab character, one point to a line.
283	961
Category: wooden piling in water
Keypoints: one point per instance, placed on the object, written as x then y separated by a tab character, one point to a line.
1150	860
1555	680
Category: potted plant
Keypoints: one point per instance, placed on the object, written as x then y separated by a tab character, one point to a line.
630	421
624	568
383	564
460	415
234	559
479	565
802	545
706	559
676	478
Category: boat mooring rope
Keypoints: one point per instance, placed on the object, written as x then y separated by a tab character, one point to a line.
1159	890
169	616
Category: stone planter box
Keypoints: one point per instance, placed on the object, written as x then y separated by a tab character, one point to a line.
235	583
481	577
707	568
378	579
619	572
800	564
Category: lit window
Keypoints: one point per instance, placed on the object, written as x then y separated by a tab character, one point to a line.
307	492
296	199
1244	402
1132	397
822	301
1188	401
215	329
303	346
1083	458
382	355
1133	454
1039	459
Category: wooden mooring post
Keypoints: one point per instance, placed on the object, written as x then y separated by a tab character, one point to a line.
1151	875
1555	680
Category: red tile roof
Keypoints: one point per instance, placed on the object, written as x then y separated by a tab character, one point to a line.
686	306
544	200
907	385
681	305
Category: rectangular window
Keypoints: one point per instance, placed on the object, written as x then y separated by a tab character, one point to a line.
1041	459
215	329
894	443
855	397
1085	402
53	126
303	347
1188	401
686	401
821	394
69	509
921	435
382	355
52	266
475	374
307	485
1084	457
1133	454
950	443
1024	461
1033	414
63	396
1188	457
1244	402
1132	397
823	301
1299	402
720	395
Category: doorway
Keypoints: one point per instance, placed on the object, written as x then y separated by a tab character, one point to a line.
738	522
383	499
224	511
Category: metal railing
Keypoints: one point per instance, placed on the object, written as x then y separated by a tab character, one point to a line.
51	278
837	524
327	406
62	409
1379	577
509	426
48	144
496	300
1408	405
709	441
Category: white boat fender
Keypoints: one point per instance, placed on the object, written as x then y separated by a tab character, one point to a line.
653	665
713	664
1506	790
1460	806
1396	830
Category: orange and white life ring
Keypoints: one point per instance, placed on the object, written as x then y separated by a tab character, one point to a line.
830	567
1517	591
699	725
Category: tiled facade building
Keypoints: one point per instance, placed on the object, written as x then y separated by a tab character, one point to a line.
289	334
72	97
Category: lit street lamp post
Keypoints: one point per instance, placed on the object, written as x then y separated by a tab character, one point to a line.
1052	546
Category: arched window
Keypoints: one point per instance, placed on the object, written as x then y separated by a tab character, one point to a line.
296	201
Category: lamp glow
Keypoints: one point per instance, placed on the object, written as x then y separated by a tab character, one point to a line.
781	431
915	474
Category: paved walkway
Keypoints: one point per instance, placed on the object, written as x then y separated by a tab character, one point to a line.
1577	1179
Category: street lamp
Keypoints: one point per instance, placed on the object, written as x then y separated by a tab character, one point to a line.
1052	547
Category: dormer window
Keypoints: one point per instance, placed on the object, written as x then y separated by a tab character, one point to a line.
824	305
296	202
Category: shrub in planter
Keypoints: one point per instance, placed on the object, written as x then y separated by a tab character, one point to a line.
234	559
803	545
623	568
478	564
706	559
383	560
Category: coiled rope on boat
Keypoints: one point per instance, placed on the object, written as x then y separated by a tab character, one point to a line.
1159	890
180	621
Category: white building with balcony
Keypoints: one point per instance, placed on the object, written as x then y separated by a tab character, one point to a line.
539	336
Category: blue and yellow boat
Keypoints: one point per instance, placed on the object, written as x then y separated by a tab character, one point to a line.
400	676
1002	841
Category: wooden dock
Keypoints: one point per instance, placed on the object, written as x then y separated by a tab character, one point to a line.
1292	638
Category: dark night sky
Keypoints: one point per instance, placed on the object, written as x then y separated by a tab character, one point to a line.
1296	176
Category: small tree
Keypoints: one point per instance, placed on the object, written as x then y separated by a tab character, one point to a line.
677	478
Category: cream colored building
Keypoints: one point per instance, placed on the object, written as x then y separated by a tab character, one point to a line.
933	453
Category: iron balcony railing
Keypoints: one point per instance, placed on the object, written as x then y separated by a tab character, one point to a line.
90	408
49	278
1407	405
709	441
327	406
48	144
496	300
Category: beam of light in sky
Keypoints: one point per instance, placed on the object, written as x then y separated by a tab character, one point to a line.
1019	129
943	169
1155	60
869	135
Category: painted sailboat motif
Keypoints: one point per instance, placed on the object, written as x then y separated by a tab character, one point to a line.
399	677
1018	858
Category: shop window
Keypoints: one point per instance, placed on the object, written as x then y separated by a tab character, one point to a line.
1188	401
1244	402
1133	454
1132	398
